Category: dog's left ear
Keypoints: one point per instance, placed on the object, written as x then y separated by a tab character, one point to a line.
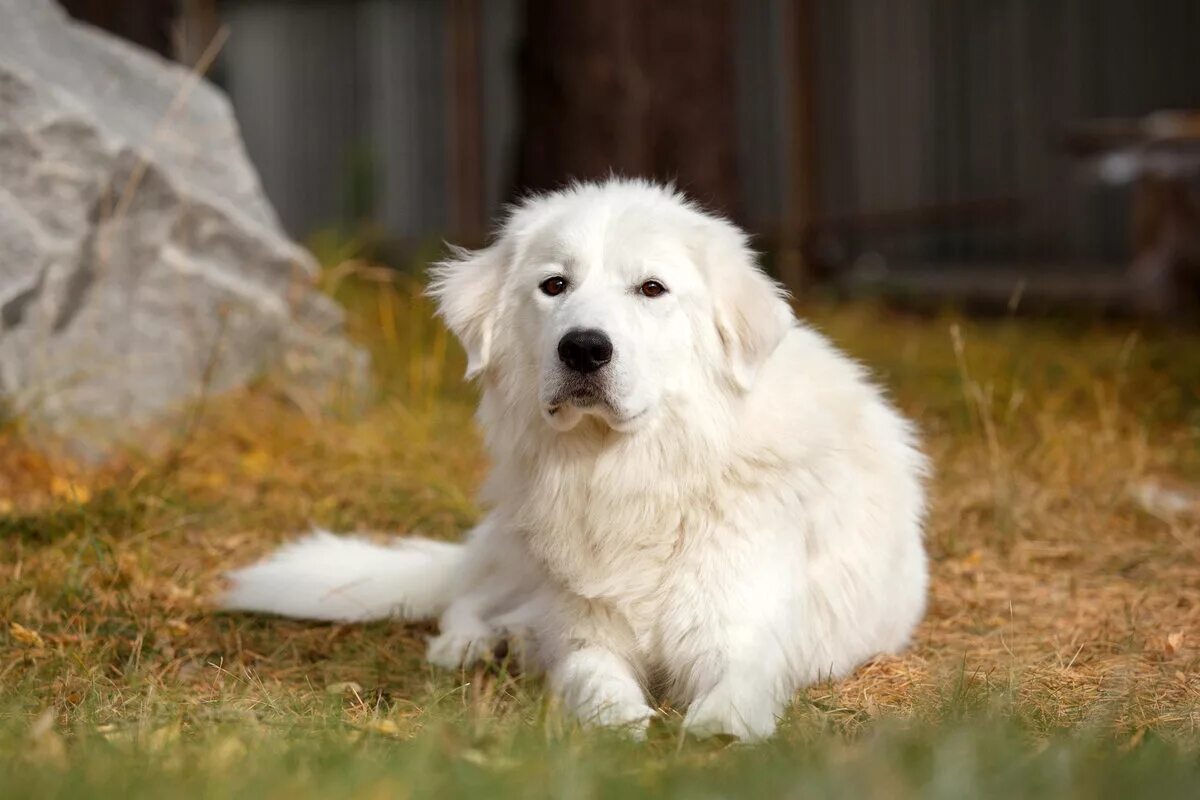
751	310
466	287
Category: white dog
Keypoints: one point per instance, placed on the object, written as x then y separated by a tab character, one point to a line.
694	498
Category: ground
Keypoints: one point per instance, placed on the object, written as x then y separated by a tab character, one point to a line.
1059	656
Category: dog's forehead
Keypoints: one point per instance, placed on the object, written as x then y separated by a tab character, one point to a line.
627	238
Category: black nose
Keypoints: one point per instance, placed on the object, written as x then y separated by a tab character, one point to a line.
585	350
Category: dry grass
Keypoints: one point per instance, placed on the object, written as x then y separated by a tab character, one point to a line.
1059	598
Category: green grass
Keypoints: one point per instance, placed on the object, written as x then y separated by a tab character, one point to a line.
204	755
1059	657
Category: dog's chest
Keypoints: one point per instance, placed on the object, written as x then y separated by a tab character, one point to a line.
644	564
606	534
606	548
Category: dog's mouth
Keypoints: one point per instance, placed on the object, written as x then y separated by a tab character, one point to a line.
584	396
574	401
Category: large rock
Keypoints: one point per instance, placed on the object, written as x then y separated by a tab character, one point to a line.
140	264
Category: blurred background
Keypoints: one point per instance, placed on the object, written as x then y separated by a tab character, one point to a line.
996	153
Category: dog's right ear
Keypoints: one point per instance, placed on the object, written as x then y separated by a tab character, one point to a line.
466	287
751	313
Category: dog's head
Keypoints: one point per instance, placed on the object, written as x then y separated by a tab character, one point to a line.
612	300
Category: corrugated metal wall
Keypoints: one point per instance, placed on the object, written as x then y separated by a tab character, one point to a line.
345	110
918	104
763	125
931	103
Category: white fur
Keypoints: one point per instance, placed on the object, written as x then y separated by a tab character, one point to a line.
739	513
341	578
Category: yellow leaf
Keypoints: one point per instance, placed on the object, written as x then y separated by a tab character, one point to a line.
342	687
178	627
384	727
256	463
214	480
25	635
1174	643
482	759
67	489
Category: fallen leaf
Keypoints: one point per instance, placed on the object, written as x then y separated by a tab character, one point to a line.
178	627
342	687
384	727
175	593
1174	643
25	635
482	759
214	480
256	463
67	489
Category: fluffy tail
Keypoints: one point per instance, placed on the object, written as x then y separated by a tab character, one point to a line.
343	579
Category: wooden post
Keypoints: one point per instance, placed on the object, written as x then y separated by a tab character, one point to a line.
799	74
194	30
466	120
636	87
143	22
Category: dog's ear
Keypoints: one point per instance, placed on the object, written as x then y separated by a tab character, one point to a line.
751	310
466	287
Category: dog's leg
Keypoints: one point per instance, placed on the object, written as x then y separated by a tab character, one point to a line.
464	636
749	689
600	687
731	659
744	702
473	626
515	628
588	670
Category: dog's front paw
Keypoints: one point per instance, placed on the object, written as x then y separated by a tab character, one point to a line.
748	715
461	648
611	703
598	690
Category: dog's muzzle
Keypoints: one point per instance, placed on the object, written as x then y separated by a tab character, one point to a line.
582	382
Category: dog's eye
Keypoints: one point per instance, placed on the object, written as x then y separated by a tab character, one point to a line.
652	289
552	287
